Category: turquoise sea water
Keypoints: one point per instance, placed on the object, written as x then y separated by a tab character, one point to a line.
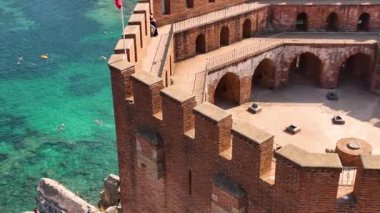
71	87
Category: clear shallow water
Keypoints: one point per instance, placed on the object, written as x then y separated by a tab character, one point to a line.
71	87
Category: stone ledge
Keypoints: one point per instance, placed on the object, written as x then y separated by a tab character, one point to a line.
177	94
370	162
136	19
311	160
146	78
116	61
251	132
211	111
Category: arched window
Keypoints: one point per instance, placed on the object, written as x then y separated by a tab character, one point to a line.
301	23
363	22
165	7
332	22
224	36
189	3
200	44
247	28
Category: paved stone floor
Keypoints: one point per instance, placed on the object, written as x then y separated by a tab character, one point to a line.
305	105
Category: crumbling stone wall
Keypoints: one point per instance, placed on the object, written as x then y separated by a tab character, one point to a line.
110	195
54	198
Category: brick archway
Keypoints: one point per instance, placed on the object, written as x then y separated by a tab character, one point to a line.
332	23
227	90
363	22
357	67
165	7
264	74
301	22
306	67
189	3
224	36
200	44
247	28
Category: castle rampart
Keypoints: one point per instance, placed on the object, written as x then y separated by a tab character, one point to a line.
177	155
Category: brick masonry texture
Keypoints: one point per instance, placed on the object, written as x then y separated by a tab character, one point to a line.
171	150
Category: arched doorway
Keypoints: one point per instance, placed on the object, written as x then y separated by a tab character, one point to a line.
307	67
247	28
224	36
301	23
189	3
165	7
200	44
332	22
356	69
264	75
363	22
228	90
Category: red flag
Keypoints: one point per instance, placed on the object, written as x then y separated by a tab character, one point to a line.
119	4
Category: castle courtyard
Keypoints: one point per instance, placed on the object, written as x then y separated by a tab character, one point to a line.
307	107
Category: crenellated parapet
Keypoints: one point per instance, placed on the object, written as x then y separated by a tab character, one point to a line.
306	181
188	145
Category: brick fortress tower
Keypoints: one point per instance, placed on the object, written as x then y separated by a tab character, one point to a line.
178	152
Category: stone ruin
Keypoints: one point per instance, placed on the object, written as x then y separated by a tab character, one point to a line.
55	198
110	195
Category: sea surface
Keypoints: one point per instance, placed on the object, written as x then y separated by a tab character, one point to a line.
71	89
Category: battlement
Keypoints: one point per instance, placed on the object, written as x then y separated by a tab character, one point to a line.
179	155
215	138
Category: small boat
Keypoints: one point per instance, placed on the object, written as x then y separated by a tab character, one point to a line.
44	56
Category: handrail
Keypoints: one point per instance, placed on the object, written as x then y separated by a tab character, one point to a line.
155	55
238	54
166	51
204	91
215	16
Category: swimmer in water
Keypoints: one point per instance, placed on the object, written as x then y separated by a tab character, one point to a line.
61	127
98	122
20	60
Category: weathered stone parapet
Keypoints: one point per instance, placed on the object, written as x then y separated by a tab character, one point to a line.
55	198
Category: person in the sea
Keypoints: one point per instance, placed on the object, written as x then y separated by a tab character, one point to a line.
61	127
153	26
